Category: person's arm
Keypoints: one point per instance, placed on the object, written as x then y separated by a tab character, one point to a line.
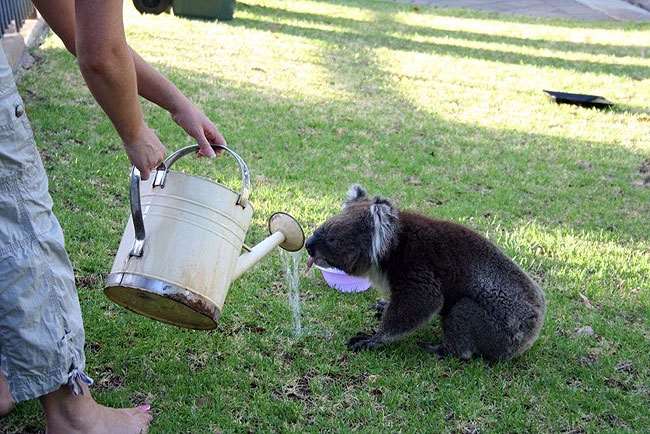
107	65
60	15
158	89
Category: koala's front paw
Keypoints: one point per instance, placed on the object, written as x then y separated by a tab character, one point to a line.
439	350
363	341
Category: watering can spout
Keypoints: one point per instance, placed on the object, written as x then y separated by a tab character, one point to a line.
284	231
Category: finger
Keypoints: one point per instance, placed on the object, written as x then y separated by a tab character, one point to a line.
163	151
144	174
220	140
210	130
204	146
214	136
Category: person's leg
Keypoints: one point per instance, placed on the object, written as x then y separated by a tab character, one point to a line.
41	329
6	401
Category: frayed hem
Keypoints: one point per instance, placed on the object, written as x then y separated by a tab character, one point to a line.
30	387
76	379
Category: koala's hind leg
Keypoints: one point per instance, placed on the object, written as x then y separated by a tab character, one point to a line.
471	330
410	307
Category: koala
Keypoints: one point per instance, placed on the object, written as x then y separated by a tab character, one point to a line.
489	307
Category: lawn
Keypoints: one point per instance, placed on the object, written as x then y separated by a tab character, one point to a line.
441	111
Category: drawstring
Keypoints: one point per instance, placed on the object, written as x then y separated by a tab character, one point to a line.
75	380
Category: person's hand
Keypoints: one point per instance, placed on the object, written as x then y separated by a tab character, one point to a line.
145	151
196	124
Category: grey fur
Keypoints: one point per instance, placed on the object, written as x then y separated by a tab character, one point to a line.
355	193
385	226
488	305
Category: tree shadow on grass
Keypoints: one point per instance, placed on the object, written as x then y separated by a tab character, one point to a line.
395	43
459	171
545	155
382	5
386	20
546	182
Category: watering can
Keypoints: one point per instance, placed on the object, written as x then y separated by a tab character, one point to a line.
182	246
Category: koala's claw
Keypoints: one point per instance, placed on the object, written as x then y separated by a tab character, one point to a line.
362	341
358	337
439	350
379	307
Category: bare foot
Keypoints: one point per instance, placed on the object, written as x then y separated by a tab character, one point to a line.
6	401
70	414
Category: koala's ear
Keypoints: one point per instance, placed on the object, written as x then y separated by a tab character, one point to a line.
385	218
355	193
382	210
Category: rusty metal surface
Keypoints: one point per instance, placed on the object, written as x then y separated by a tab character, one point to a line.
162	301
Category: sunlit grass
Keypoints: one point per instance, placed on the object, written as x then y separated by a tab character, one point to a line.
440	110
531	30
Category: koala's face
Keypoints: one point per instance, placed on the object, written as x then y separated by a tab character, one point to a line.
356	238
344	241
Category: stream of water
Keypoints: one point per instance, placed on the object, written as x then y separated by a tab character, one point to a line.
292	262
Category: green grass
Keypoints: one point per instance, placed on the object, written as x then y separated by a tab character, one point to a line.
440	110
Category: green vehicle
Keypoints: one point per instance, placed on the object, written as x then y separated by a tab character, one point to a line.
222	10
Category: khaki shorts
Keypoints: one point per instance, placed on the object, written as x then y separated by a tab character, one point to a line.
41	331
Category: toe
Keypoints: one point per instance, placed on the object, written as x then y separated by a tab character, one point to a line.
6	408
145	420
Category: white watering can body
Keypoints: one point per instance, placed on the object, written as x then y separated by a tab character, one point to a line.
180	268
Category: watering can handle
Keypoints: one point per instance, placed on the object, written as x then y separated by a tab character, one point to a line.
136	213
244	193
159	181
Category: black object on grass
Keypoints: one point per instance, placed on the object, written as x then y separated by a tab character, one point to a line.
578	99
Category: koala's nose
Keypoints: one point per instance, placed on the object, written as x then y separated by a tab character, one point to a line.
310	245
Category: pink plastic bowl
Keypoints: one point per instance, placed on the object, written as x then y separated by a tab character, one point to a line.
337	279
